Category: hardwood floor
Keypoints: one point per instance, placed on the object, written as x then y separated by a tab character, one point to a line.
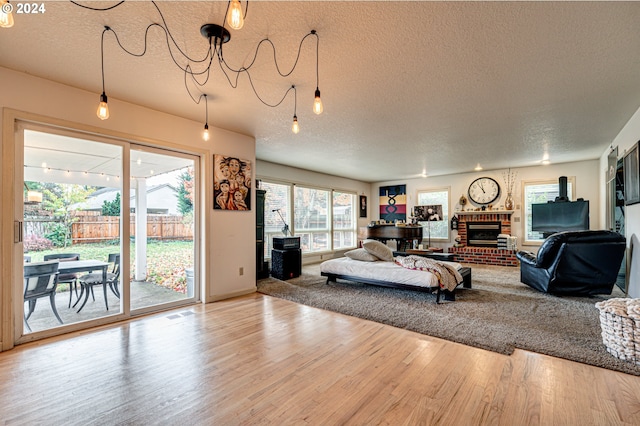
262	360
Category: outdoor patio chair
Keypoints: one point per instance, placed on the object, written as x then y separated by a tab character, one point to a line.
87	281
69	279
40	280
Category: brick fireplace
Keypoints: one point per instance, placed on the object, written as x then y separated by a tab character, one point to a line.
484	252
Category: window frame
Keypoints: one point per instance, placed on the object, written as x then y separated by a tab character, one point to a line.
526	209
315	231
290	216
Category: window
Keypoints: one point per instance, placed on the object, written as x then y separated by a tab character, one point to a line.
436	230
540	192
344	220
277	210
311	217
323	219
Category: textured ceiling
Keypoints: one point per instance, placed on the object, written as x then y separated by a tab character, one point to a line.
408	87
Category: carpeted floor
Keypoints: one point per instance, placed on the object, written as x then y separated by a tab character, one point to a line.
499	313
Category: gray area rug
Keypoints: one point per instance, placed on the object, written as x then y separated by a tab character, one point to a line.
499	313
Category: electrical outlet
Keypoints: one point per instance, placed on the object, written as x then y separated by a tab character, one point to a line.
241	271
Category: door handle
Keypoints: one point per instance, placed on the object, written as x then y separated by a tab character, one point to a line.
17	231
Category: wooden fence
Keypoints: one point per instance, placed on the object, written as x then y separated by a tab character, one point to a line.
93	228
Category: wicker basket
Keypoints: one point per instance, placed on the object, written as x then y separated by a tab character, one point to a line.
620	323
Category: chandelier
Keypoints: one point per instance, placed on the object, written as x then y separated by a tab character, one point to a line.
217	36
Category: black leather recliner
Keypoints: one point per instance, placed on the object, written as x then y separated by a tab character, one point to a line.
574	263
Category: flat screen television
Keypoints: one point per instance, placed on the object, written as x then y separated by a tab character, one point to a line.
560	216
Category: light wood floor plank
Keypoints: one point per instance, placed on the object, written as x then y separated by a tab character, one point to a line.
260	360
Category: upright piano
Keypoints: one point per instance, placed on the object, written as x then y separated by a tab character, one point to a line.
405	236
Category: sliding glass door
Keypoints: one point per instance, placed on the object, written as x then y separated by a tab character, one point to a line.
71	217
162	227
115	220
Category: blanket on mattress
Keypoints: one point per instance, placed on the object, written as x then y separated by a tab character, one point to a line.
384	271
447	275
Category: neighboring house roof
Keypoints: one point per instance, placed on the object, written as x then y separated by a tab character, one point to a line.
160	198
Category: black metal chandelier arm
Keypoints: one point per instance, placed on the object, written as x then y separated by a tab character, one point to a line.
97	8
275	58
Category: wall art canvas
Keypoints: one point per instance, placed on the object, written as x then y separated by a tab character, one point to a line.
231	183
363	206
431	213
393	203
632	176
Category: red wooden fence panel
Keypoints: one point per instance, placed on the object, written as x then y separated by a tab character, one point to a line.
90	228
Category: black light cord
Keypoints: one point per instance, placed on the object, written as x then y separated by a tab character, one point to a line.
98	9
275	58
206	106
211	52
295	100
317	57
102	55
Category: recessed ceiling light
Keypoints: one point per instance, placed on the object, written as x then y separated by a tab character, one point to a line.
478	168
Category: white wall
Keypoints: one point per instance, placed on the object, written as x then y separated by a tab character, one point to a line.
228	236
628	136
276	172
585	173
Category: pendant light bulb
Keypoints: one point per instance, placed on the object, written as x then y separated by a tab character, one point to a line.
295	128
234	16
6	14
103	108
205	134
317	103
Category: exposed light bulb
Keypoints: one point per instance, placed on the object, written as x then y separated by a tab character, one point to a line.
34	196
295	128
6	15
545	159
103	108
139	161
205	134
234	16
317	103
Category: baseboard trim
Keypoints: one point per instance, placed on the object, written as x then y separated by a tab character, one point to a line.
218	297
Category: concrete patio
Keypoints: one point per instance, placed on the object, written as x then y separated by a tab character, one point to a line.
143	294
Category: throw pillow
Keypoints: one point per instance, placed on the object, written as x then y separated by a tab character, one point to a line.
378	249
361	254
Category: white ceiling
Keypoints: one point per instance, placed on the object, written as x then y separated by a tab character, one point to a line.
62	159
408	87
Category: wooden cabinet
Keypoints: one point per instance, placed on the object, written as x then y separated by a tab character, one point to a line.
262	267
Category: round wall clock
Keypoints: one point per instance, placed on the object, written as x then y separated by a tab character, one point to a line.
484	190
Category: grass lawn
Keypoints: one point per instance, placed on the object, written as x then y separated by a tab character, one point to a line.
166	260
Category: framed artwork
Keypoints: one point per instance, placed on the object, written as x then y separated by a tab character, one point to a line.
631	176
393	203
231	183
431	213
363	206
